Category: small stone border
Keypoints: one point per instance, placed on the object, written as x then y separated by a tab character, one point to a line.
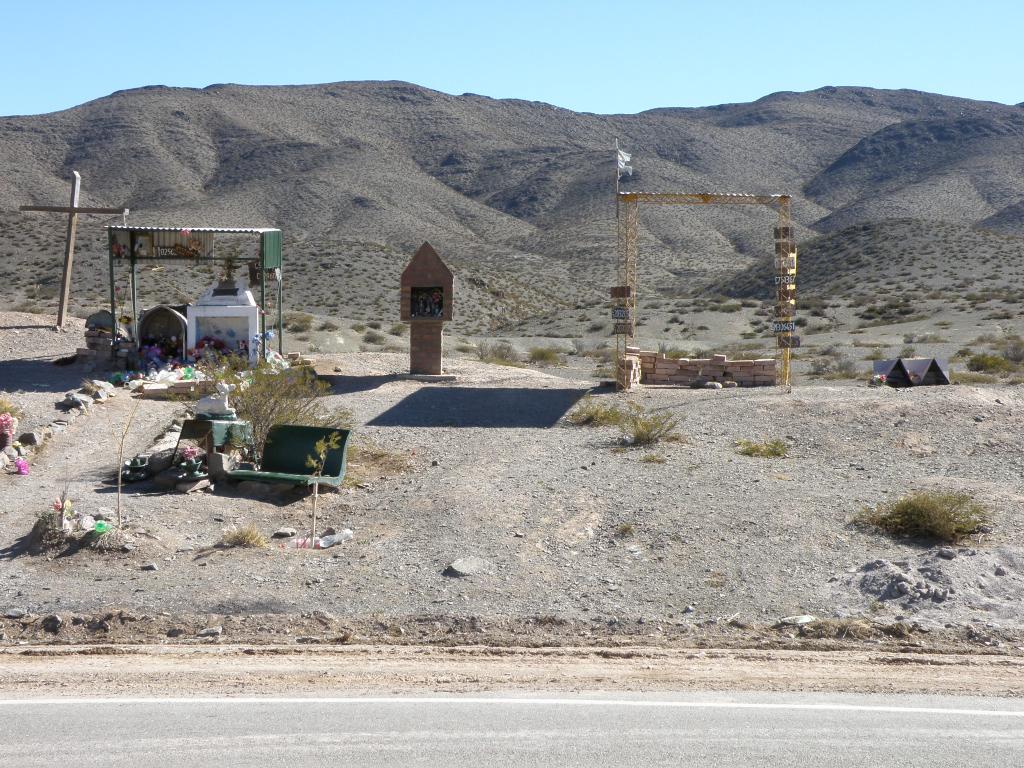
74	404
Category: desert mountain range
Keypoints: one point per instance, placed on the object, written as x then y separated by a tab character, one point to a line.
517	195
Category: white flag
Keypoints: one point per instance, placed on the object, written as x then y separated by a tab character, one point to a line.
622	159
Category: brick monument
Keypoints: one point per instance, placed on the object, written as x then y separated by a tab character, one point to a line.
428	288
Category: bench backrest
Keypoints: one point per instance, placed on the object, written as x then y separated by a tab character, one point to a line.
287	447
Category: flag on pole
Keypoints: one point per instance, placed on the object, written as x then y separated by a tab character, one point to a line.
623	158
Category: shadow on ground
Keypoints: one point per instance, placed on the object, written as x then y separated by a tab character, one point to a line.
38	375
349	385
480	407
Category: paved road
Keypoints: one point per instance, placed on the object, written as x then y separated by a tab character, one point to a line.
693	730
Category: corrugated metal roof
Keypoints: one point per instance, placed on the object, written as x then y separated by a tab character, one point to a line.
214	230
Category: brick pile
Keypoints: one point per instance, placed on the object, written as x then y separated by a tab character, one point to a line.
656	368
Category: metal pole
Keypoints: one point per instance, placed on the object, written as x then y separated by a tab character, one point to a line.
113	296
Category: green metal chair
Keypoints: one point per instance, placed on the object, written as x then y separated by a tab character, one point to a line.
285	452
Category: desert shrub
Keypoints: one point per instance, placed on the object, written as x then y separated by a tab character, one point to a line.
943	515
545	356
298	322
624	530
984	362
592	412
907	351
498	353
6	406
465	348
652	458
770	449
834	368
328	325
971	377
265	396
375	324
244	536
358	327
596	328
374	337
398	329
642	428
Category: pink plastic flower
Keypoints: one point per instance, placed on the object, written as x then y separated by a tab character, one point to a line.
21	466
185	232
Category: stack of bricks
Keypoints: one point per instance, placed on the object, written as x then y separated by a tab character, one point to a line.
658	369
629	372
97	344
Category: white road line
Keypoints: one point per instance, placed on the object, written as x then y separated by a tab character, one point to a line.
456	701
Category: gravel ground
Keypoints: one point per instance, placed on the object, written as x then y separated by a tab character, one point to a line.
567	529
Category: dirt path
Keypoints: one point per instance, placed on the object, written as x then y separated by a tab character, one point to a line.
282	670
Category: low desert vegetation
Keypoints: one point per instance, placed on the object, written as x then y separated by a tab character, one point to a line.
947	516
358	327
984	362
498	353
398	329
298	322
248	536
771	449
594	412
374	337
653	458
642	428
6	406
625	530
545	356
329	325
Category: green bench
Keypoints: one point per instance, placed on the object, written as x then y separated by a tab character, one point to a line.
285	452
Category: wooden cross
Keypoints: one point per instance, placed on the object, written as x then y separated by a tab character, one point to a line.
69	244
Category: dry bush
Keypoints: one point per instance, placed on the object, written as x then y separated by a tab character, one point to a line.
545	356
398	329
970	377
984	362
641	428
948	516
358	327
374	337
624	530
6	406
298	322
591	412
652	458
329	325
244	536
839	629
498	353
265	396
770	449
368	461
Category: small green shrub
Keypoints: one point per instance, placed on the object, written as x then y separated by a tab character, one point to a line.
358	327
943	515
398	329
498	353
624	530
771	449
591	412
545	356
328	325
375	324
984	362
642	428
374	337
298	322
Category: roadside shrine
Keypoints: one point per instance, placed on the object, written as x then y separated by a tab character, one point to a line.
227	317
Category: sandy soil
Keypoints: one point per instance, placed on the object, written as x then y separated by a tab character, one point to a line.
284	671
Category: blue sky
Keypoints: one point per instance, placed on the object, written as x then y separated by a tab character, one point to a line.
586	55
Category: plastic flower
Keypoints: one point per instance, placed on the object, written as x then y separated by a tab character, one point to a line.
21	466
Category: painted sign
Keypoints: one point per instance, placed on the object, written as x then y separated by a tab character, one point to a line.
620	313
787	326
785	279
623	329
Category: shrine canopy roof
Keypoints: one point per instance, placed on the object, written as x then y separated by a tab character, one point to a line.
140	243
210	230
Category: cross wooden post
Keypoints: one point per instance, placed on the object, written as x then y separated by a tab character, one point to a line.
69	242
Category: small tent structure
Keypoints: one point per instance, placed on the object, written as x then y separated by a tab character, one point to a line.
913	371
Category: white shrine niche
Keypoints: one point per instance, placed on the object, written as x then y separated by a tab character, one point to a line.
229	313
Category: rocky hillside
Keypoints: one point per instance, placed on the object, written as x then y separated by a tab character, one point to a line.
517	195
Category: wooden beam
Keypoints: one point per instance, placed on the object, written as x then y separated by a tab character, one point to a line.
700	198
69	253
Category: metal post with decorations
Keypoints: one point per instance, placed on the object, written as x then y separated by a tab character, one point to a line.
784	323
